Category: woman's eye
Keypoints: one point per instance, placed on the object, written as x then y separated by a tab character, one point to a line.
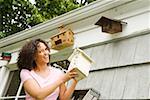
46	48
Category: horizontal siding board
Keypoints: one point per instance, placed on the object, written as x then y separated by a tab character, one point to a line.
98	57
131	86
108	54
130	82
94	80
127	51
121	53
116	54
88	51
113	53
137	85
142	53
106	84
143	81
118	83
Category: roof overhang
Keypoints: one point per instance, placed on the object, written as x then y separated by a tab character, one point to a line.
67	18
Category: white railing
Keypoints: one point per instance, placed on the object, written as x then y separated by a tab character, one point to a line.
15	97
19	90
12	97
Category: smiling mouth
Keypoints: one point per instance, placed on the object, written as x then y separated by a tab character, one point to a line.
46	57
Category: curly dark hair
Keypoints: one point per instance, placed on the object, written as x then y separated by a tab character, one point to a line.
27	54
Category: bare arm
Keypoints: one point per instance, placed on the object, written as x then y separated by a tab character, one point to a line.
65	94
34	90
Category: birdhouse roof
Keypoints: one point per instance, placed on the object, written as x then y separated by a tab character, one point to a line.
104	20
81	52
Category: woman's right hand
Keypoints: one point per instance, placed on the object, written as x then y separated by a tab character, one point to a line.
69	75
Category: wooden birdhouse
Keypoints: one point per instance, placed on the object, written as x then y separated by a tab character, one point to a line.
80	62
73	59
63	39
110	25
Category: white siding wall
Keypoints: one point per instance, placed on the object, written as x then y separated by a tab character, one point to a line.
120	83
121	53
122	64
121	69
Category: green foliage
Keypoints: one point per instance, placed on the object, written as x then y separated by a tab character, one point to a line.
2	35
17	15
53	8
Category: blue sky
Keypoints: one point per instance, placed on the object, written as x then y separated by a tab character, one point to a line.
32	1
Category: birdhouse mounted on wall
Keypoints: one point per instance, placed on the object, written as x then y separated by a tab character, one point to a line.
63	39
6	56
110	25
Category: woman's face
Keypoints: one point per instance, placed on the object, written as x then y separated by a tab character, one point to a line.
42	54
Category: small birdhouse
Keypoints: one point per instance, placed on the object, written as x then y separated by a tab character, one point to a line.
80	62
6	56
110	25
73	59
63	39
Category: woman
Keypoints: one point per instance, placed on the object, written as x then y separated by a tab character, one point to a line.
41	81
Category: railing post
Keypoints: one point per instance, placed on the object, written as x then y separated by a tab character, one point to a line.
19	90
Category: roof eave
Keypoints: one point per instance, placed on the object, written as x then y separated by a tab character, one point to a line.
67	18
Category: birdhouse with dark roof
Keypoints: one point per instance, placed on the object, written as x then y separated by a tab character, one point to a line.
110	25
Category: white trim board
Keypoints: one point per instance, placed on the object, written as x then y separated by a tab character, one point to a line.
75	15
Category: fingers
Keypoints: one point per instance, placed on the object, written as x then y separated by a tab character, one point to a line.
70	75
74	80
73	74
